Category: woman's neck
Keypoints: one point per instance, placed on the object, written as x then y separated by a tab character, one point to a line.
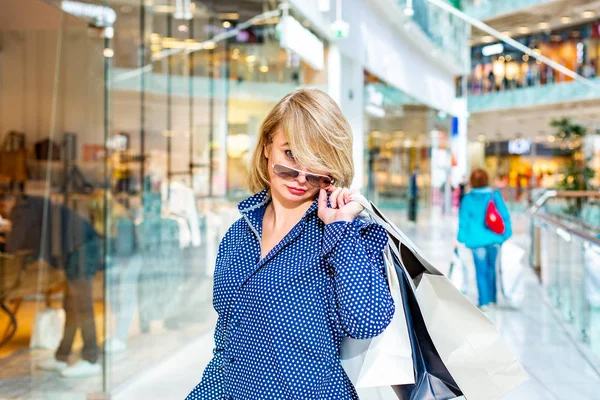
282	213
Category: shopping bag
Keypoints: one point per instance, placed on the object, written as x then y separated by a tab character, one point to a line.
48	327
477	357
386	359
432	379
458	273
510	271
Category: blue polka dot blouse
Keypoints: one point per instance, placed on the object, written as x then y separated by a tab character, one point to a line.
281	319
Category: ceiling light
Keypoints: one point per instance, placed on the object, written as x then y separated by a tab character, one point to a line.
250	59
108	53
508	58
544	25
523	30
501	58
588	14
565	20
209	45
487	39
182	28
264	68
525	57
481	138
226	24
507	33
551	139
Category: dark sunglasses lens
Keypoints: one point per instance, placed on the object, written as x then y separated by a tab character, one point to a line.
284	172
318	181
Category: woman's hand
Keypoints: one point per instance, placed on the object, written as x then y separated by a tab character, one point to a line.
342	208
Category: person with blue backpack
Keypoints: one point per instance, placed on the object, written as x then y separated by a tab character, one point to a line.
483	225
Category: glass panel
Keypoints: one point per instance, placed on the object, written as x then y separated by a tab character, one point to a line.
449	33
184	110
484	9
52	122
551	93
591	305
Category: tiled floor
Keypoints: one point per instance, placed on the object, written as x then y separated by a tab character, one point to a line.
558	366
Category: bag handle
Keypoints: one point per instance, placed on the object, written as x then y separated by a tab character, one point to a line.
378	217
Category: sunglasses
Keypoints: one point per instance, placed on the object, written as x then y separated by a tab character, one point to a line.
316	180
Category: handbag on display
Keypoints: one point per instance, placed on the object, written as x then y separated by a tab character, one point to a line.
472	350
13	158
384	360
493	219
48	327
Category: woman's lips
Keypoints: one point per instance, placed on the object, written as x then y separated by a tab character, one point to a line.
296	191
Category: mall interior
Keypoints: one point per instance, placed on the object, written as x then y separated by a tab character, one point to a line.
127	129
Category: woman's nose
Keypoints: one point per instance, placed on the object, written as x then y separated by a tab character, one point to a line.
301	178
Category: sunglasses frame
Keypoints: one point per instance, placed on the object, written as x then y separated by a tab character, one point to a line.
306	175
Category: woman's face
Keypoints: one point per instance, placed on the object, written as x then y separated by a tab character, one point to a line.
291	189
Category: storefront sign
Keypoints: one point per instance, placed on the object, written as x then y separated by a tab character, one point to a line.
519	146
293	36
492	49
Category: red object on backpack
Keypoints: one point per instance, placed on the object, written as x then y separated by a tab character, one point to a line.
493	219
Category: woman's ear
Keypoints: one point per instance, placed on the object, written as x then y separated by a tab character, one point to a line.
267	151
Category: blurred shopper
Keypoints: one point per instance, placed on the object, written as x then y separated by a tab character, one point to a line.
484	224
492	79
462	189
298	272
413	195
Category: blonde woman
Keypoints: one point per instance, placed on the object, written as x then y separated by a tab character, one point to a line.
298	272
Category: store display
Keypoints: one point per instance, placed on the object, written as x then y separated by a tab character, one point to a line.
47	150
13	158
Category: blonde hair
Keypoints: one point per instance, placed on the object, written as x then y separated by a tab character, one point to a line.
318	134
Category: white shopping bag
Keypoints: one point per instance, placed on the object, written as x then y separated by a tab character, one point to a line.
458	273
475	354
384	360
479	360
48	328
510	272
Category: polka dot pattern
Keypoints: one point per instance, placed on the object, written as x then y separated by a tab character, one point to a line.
282	319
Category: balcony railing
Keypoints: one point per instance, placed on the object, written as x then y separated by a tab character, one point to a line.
447	32
566	254
552	93
486	9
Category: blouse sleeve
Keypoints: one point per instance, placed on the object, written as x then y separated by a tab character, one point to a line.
355	251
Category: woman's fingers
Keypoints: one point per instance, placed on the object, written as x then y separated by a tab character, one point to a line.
334	198
347	193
